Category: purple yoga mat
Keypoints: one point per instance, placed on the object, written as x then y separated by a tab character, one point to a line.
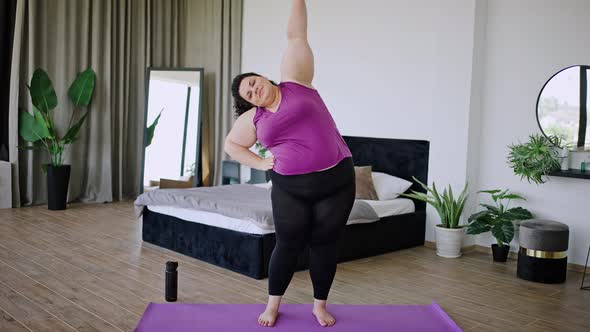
180	317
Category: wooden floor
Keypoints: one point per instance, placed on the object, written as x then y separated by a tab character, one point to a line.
87	269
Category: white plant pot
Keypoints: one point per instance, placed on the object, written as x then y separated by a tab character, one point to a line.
449	241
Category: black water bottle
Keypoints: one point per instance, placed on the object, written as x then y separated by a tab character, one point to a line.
171	281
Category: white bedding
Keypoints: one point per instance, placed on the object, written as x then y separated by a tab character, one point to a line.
382	208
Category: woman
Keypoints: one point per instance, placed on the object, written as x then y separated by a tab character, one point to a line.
312	173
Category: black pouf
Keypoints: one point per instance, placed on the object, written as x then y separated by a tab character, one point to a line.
543	251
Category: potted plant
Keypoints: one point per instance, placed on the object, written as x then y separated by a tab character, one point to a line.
535	159
191	171
261	149
39	128
449	234
256	175
498	219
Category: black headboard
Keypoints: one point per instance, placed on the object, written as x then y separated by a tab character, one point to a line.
398	157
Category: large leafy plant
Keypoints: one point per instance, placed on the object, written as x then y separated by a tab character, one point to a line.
449	209
151	129
39	127
498	218
536	158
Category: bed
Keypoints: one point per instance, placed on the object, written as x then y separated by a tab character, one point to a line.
241	248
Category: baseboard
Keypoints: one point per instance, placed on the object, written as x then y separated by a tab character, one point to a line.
511	255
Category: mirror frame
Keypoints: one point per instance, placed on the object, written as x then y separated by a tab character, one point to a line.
201	71
587	67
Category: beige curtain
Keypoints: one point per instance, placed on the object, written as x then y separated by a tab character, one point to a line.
119	39
214	43
13	140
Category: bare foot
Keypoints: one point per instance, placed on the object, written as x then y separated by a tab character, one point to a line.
268	317
323	316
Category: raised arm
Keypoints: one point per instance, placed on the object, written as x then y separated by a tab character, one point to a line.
297	64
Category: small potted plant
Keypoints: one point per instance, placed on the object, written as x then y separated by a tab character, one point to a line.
191	171
40	129
256	175
449	234
261	149
535	159
499	219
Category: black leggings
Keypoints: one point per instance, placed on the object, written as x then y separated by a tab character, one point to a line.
312	209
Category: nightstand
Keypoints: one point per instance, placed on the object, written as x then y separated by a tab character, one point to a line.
230	172
258	176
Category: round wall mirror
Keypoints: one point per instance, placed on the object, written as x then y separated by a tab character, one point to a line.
562	107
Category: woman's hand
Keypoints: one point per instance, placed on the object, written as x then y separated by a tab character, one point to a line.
266	164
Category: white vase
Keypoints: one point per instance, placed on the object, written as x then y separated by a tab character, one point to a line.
449	241
563	156
565	163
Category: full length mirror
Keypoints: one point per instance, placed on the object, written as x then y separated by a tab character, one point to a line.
562	107
172	128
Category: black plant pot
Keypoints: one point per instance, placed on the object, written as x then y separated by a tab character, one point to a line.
58	179
500	253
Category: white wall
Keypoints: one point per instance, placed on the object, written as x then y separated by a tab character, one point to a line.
463	74
385	68
527	42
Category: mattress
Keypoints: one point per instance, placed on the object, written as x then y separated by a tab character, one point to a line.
382	208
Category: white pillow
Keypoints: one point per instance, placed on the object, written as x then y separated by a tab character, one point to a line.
389	186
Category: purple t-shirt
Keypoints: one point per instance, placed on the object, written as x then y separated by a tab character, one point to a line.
301	134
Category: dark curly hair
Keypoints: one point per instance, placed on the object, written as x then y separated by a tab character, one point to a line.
241	105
